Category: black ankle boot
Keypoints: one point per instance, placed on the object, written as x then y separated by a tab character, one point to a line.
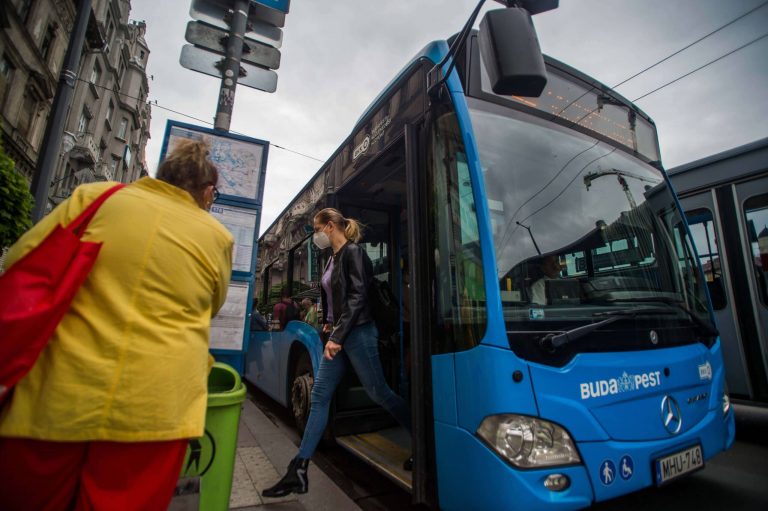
295	480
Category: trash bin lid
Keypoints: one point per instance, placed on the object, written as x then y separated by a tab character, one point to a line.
222	378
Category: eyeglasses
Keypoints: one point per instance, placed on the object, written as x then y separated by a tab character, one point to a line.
215	194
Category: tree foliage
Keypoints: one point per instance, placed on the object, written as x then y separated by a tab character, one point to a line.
15	201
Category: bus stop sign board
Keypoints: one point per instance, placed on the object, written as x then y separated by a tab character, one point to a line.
280	5
203	61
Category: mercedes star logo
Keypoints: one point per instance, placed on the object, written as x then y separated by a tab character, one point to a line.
670	415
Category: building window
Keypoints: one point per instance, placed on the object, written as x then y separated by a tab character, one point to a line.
28	113
6	68
23	9
110	28
122	129
96	73
121	72
47	44
82	123
6	73
114	165
110	111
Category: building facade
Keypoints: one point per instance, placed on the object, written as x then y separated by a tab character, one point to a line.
34	35
107	125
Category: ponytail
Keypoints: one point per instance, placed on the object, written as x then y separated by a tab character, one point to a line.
353	230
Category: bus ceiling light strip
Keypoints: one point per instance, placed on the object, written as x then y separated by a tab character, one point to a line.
527	442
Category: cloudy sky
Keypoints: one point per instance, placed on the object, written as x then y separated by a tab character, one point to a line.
337	55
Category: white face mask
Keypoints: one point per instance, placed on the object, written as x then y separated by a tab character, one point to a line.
321	240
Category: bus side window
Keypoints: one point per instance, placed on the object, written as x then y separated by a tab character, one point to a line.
756	214
701	224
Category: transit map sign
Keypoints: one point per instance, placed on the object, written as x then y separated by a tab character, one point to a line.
241	160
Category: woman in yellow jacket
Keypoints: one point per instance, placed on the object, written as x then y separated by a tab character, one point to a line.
101	420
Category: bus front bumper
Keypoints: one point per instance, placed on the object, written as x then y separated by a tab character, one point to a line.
472	476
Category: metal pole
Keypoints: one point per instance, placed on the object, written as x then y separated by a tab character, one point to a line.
231	68
41	181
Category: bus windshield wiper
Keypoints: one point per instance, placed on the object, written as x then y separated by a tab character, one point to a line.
552	342
707	328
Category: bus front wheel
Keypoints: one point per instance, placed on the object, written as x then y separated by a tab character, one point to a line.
301	391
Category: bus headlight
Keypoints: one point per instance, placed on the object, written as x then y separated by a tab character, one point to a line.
527	442
726	401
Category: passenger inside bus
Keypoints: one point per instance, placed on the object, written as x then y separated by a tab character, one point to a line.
550	267
258	322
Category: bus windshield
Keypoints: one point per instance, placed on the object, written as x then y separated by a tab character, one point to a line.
582	229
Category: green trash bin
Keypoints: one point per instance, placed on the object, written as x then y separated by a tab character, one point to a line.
211	458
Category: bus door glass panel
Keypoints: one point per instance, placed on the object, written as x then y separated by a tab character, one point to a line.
756	215
702	226
459	302
756	218
704	230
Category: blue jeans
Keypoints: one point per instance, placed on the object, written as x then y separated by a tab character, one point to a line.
362	351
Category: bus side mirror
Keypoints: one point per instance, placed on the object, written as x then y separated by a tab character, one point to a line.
511	53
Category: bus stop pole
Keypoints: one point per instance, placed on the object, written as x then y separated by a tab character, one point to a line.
230	71
41	181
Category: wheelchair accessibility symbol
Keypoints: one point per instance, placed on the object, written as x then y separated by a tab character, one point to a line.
626	467
200	455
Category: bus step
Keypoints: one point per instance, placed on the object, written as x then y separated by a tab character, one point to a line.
386	450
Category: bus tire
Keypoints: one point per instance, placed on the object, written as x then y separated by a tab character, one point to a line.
301	391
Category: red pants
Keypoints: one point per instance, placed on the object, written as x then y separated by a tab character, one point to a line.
84	476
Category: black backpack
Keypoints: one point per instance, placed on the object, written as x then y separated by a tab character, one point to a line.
384	308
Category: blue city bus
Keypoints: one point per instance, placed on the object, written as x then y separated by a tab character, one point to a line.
555	336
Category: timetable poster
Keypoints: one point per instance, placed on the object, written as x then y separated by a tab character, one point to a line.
241	222
228	326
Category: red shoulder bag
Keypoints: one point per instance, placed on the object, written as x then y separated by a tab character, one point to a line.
37	290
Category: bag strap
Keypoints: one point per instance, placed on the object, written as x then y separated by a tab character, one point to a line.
79	224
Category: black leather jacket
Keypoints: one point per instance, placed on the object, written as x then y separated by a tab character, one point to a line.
351	276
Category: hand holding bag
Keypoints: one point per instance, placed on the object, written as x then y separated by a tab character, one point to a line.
37	290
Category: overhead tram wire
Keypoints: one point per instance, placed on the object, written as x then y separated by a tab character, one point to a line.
557	174
697	41
161	107
506	237
681	77
701	67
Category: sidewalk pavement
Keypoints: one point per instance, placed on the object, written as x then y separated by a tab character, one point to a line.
263	453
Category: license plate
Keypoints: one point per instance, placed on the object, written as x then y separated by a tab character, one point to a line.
678	464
